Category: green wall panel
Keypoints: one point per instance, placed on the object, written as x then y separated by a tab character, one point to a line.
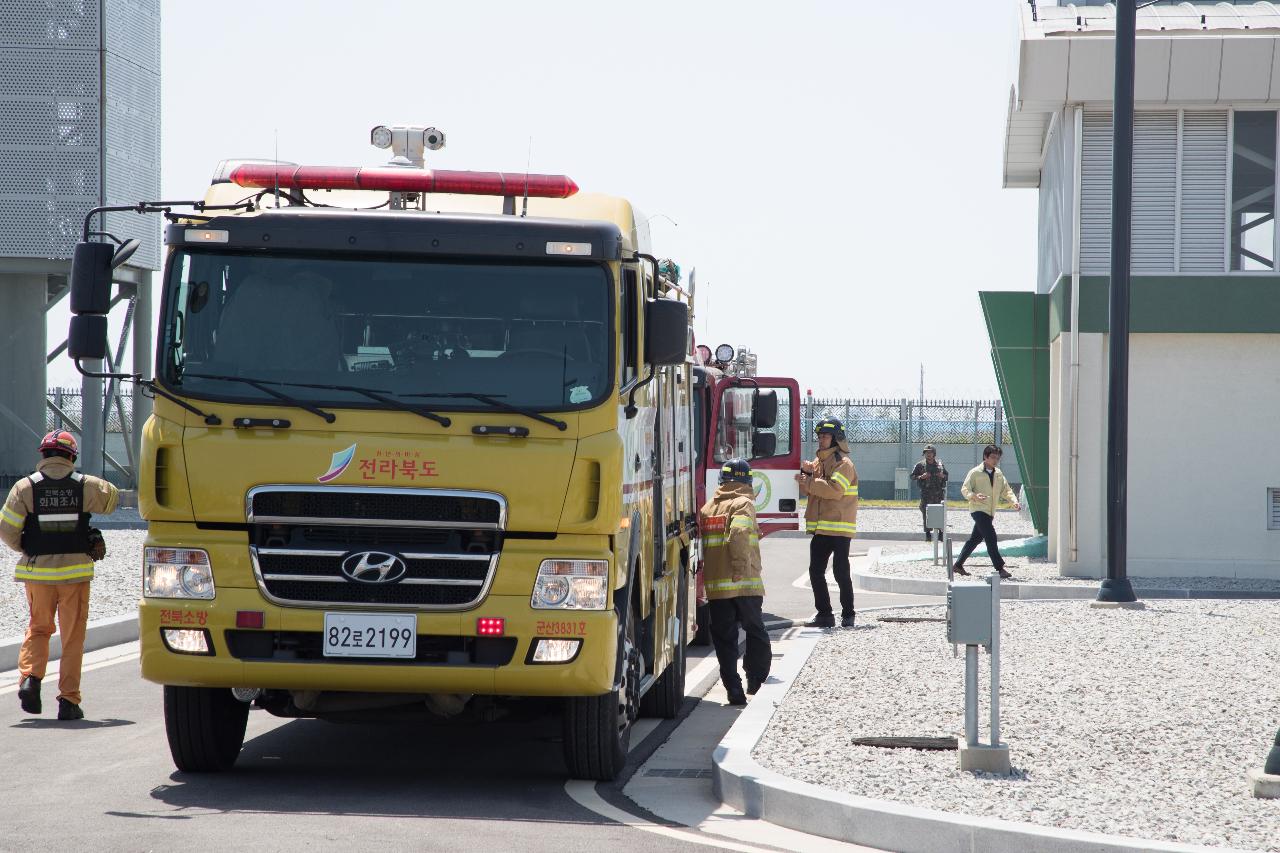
1174	304
1018	325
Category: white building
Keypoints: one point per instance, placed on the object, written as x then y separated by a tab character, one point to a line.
1204	474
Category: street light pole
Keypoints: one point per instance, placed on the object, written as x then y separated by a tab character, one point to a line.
1116	587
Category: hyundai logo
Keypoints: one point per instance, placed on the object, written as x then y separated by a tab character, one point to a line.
374	567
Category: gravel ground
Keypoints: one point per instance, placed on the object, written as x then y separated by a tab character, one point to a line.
872	520
1150	742
1039	570
117	582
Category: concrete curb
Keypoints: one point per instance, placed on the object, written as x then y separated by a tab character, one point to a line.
870	582
101	634
741	782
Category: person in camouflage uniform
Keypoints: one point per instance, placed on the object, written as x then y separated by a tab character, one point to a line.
931	475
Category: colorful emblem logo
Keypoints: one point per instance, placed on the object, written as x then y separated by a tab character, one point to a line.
338	464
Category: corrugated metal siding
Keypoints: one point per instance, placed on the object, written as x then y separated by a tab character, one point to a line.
1204	191
1095	193
1155	190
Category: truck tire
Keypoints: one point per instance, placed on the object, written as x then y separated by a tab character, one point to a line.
597	729
666	696
702	637
205	726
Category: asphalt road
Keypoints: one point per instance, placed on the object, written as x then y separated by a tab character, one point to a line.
107	783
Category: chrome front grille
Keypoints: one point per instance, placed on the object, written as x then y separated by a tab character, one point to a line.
449	542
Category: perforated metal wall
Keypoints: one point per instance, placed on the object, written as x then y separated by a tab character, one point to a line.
79	122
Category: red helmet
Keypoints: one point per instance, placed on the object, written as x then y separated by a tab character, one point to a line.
62	442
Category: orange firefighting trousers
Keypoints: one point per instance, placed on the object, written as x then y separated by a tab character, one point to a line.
70	602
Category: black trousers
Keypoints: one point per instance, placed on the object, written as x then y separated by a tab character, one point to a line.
822	548
727	614
984	530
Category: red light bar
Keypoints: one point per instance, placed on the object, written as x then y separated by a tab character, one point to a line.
491	626
392	179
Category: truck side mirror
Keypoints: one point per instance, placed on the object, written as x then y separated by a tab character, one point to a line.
764	410
91	278
763	445
666	333
87	337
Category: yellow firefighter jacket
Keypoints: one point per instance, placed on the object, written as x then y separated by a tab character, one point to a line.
832	509
99	497
731	543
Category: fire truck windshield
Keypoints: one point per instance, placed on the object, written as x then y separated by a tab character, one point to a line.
533	336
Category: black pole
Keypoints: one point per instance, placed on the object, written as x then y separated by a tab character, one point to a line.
1116	587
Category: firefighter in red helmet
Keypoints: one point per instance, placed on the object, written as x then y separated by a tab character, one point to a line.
46	517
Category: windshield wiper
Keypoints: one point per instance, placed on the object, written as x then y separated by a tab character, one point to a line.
381	398
261	385
491	400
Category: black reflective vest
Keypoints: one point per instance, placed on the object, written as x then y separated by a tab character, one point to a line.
58	523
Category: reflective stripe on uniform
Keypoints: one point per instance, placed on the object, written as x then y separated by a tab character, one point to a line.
732	586
54	574
741	522
719	541
850	488
831	527
8	516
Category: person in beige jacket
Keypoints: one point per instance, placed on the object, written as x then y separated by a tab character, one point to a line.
735	587
46	517
982	486
831	515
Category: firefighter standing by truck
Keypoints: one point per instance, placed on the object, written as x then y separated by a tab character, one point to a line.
46	517
831	483
735	588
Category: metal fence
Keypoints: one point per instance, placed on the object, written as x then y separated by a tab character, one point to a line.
872	421
65	410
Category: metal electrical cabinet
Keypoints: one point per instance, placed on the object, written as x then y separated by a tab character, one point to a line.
969	613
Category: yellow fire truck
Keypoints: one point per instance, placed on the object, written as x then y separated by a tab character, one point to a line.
422	444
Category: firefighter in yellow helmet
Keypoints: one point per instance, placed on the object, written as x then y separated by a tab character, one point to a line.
46	517
735	589
831	516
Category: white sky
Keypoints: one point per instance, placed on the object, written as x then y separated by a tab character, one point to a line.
834	167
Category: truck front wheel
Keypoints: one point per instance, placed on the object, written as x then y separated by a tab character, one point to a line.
205	726
597	729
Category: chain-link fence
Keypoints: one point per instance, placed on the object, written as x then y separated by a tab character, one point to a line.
67	409
915	421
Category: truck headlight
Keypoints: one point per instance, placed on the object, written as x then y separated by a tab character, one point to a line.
176	573
571	585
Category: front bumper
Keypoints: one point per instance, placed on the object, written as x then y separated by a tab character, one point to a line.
284	653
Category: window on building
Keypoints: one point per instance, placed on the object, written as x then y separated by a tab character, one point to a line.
1253	191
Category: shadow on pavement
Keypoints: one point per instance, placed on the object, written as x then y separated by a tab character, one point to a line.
39	723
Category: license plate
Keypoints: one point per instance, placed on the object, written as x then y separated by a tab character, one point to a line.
370	635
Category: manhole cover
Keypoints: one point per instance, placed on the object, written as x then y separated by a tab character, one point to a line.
908	742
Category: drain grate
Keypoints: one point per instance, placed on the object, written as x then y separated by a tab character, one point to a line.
680	773
908	742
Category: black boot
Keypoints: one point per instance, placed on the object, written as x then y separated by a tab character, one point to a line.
846	621
822	620
29	694
928	536
68	710
958	569
753	685
737	697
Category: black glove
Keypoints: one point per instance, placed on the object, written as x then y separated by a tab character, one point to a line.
97	544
